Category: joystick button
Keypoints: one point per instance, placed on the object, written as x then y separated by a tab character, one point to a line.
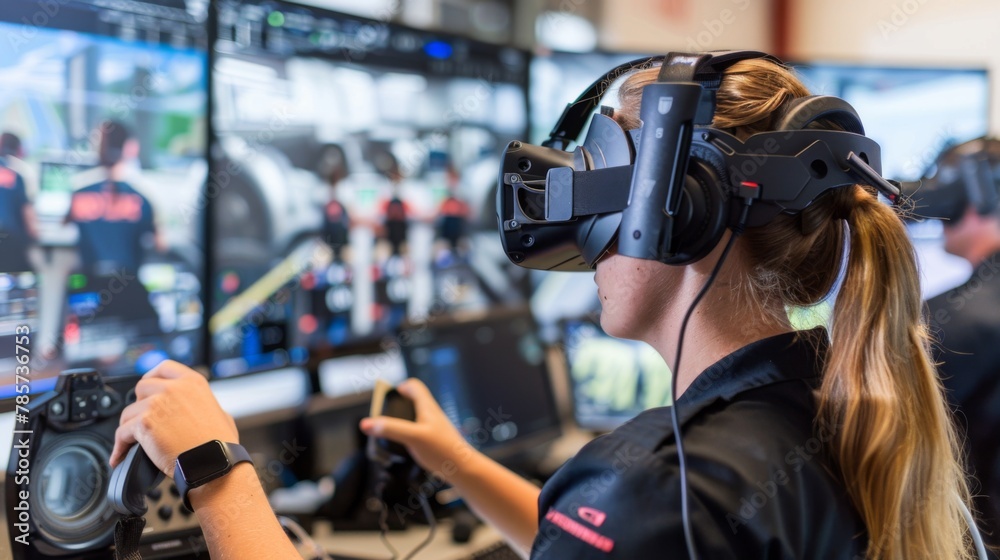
165	512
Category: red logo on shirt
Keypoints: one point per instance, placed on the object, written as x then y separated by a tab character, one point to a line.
593	516
589	536
334	211
92	206
7	178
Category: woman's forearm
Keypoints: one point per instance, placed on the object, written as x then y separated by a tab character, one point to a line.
237	520
501	498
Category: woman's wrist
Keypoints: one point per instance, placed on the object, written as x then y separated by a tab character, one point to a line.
239	486
466	467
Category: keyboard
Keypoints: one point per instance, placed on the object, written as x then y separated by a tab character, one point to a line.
498	551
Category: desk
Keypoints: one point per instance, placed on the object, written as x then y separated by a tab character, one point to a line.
366	544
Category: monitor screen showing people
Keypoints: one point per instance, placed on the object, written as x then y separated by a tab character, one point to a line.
102	166
356	164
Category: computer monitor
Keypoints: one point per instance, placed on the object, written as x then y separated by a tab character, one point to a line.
558	78
103	107
612	379
490	376
913	113
354	161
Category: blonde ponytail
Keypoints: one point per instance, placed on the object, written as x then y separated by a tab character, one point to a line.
896	447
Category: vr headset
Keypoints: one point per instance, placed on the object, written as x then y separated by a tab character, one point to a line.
668	190
964	175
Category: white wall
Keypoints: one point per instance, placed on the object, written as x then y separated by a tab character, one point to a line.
658	26
905	32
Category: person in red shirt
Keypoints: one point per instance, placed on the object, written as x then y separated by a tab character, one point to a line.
115	221
336	220
18	228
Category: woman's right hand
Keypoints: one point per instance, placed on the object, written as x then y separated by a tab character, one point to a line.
433	442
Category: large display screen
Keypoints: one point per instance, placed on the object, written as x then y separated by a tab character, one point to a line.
103	116
353	176
953	105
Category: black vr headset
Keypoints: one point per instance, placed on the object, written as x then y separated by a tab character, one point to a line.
964	175
668	190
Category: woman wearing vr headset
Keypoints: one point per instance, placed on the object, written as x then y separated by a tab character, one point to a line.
798	445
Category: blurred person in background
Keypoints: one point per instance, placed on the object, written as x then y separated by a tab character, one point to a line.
18	226
336	220
116	222
964	190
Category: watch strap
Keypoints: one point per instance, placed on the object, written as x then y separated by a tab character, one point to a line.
236	454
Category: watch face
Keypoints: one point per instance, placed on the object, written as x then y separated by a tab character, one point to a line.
203	463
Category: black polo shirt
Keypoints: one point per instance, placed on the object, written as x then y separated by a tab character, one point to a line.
759	481
966	323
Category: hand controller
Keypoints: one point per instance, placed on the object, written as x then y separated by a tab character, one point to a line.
387	401
131	481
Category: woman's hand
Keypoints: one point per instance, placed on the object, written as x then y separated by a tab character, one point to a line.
174	411
433	442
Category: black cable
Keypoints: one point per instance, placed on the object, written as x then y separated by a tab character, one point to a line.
383	515
429	515
674	419
383	518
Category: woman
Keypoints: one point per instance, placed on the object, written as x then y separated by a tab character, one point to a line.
798	446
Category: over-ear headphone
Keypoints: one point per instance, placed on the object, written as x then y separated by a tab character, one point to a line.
668	190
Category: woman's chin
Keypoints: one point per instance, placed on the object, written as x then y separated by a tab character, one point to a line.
610	325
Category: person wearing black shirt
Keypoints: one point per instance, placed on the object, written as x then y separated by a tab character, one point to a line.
116	233
966	319
115	221
336	221
816	444
18	228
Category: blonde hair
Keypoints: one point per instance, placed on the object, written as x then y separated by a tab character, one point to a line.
896	450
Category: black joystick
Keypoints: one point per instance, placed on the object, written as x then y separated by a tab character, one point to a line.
131	480
387	401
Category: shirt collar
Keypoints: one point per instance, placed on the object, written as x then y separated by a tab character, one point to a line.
784	357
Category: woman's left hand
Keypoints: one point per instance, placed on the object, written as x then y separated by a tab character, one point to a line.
174	411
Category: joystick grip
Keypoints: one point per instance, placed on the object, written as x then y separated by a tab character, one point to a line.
131	480
387	401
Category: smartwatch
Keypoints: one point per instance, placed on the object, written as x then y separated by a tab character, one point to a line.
205	463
